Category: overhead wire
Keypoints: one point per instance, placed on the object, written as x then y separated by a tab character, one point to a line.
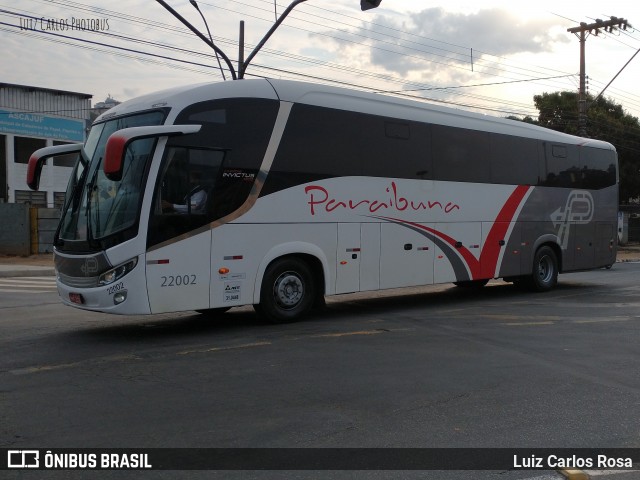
279	54
103	10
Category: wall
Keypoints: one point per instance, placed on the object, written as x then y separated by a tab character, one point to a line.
15	234
48	219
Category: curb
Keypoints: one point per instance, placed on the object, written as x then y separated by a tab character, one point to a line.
24	271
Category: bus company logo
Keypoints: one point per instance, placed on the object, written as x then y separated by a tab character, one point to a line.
89	266
239	175
578	210
23	459
319	198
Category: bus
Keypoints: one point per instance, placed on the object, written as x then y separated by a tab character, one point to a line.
306	191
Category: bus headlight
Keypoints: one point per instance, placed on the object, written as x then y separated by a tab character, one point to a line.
117	273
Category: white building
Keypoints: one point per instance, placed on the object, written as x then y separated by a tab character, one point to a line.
32	118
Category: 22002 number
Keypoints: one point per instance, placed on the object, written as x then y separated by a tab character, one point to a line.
116	288
178	280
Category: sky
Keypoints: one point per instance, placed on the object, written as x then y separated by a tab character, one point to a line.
490	56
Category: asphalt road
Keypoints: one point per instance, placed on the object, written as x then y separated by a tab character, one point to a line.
429	367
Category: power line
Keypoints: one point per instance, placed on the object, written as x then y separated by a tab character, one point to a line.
393	40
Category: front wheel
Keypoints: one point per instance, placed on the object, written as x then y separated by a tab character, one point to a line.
545	270
288	291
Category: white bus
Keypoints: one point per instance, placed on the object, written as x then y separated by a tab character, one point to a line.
277	193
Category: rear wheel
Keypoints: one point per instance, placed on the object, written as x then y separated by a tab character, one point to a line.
545	270
288	291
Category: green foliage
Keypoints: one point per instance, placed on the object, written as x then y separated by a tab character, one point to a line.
606	121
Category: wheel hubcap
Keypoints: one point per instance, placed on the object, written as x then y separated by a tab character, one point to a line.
545	269
288	290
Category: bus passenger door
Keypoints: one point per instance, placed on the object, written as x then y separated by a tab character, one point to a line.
406	257
459	257
605	242
583	245
370	257
178	238
348	258
502	256
178	275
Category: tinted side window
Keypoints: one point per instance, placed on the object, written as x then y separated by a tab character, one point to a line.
514	160
461	155
562	163
323	142
241	127
598	168
185	196
208	175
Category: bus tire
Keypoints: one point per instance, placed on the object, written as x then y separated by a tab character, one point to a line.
288	291
545	270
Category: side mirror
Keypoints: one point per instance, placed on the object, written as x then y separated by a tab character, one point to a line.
118	142
37	159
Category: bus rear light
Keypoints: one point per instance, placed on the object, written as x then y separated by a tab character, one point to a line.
343	262
76	298
223	271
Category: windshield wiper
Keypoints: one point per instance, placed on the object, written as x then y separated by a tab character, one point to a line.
93	244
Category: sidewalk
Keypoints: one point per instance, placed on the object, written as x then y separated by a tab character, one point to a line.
42	265
32	266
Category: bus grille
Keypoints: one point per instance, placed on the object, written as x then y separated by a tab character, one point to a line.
78	282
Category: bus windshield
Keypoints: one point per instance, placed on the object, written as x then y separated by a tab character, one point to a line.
97	207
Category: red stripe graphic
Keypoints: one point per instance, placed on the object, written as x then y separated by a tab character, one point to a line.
486	265
491	249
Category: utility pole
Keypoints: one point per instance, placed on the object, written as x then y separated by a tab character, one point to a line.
581	32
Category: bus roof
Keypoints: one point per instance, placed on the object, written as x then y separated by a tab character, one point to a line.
343	99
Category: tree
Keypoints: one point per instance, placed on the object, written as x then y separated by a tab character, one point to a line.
606	121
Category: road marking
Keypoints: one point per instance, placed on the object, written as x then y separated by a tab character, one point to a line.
606	473
223	349
43	368
2	290
573	474
531	318
31	281
114	358
28	285
61	366
528	324
346	334
603	320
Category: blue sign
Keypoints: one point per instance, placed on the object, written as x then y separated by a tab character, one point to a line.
38	125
